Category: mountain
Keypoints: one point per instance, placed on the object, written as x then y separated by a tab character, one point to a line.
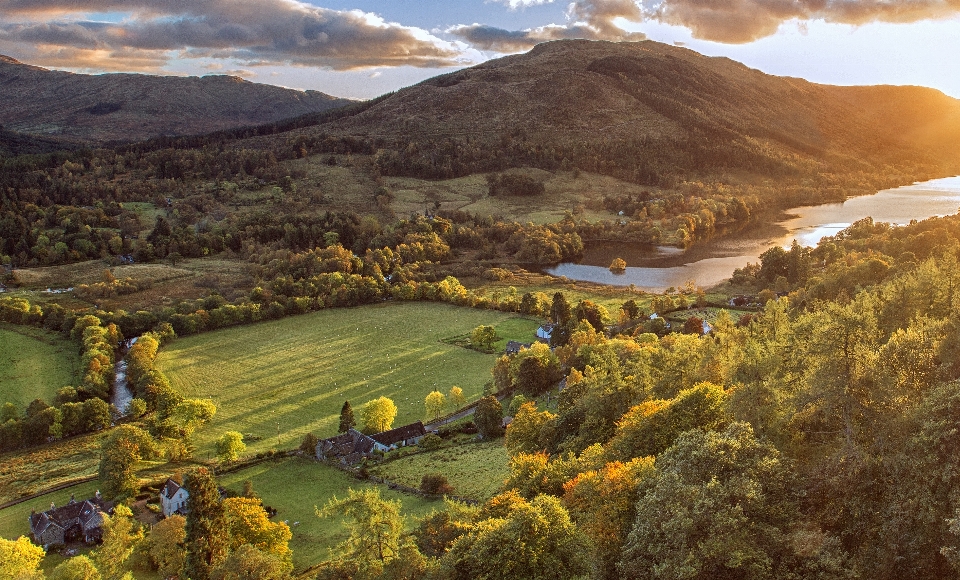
132	107
647	111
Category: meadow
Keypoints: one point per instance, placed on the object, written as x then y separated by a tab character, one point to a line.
34	364
295	486
474	470
276	381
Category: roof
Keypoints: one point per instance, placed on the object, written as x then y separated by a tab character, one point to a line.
73	513
170	489
345	444
400	434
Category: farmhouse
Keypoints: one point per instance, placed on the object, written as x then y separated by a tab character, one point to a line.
545	331
400	437
349	447
173	498
72	522
513	347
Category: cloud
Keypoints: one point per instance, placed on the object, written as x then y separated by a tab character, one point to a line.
589	19
252	32
515	4
741	21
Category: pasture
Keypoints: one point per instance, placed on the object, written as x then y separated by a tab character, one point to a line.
34	364
475	470
295	486
276	381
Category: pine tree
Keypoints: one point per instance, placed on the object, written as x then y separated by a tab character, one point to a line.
347	421
206	526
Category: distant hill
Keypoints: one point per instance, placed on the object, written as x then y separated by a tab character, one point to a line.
648	112
90	109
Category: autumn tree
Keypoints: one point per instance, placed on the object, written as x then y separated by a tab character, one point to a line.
347	421
489	417
531	430
230	445
435	402
378	415
484	337
120	454
20	558
164	547
456	398
121	535
375	528
247	523
76	568
206	537
248	562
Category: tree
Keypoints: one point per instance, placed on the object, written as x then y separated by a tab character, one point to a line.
121	535
206	539
230	445
489	417
164	547
484	337
375	528
378	415
347	421
561	315
249	563
435	483
456	398
76	568
717	507
120	453
20	558
247	523
308	444
618	266
593	313
531	431
535	370
631	309
435	402
532	541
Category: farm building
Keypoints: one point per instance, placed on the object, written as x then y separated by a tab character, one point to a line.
400	437
73	522
545	331
349	447
513	347
173	498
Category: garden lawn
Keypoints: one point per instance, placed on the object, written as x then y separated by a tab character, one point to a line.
276	381
34	364
474	470
294	486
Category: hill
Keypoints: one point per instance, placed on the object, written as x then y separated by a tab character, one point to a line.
649	112
133	107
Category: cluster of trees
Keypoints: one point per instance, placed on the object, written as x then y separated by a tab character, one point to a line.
75	410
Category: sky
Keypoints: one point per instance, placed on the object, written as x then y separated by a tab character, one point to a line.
364	48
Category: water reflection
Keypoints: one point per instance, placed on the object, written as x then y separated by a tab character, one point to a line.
713	261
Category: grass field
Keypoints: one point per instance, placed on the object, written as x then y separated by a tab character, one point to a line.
39	468
294	486
34	364
475	470
293	375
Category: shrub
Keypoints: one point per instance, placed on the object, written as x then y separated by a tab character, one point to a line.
430	442
435	483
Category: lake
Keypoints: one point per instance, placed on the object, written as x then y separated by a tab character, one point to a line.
712	261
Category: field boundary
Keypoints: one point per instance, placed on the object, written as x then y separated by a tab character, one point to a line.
57	487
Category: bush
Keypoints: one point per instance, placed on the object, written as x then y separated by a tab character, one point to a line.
430	442
435	483
309	443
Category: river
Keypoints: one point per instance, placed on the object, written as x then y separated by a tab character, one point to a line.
122	395
712	261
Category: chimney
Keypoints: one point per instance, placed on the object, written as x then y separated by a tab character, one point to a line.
97	495
53	506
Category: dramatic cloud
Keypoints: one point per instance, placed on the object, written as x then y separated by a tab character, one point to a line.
740	21
253	32
590	19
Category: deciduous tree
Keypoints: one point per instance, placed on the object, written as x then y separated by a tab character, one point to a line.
230	445
435	402
378	415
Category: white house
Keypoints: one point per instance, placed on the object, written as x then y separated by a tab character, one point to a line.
173	498
400	437
545	331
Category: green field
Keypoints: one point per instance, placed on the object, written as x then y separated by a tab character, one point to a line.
292	375
475	470
294	486
34	364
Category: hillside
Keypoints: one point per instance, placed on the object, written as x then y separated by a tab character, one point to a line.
133	107
648	112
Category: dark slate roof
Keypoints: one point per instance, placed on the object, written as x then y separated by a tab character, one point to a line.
400	434
170	488
344	444
68	515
